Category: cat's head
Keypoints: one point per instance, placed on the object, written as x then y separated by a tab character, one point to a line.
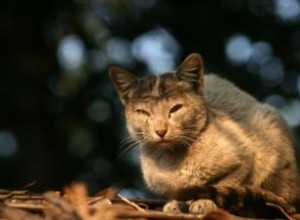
164	110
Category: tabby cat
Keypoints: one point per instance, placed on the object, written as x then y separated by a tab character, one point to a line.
205	141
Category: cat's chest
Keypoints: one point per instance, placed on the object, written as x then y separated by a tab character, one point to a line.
169	176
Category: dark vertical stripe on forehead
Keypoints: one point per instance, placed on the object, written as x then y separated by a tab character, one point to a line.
162	85
168	82
155	88
146	86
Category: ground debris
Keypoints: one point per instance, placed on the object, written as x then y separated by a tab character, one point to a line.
74	204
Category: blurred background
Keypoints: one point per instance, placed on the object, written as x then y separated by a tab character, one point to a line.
60	118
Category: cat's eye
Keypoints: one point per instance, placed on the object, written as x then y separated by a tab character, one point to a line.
175	108
143	112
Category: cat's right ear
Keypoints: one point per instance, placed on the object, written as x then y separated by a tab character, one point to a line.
191	70
123	81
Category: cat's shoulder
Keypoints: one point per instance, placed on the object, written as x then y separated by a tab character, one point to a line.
223	96
219	91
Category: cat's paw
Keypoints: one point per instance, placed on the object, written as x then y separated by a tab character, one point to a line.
174	206
202	206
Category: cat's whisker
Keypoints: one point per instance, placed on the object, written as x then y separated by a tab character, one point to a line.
132	143
143	144
128	150
127	141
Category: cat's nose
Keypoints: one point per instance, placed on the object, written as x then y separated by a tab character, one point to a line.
161	132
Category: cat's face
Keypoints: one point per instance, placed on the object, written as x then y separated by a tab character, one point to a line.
167	114
167	110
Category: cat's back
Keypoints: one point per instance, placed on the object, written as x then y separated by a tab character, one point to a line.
224	97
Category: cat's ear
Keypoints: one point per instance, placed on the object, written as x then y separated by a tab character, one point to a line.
191	70
123	81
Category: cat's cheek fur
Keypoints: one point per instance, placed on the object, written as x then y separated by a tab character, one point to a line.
136	126
133	131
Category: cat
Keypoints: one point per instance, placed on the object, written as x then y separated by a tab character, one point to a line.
205	141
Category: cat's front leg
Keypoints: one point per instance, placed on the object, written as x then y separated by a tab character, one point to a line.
175	206
202	206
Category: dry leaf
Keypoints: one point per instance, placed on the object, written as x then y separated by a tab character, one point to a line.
17	214
59	209
77	194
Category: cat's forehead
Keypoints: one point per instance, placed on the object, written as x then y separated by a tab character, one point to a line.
160	86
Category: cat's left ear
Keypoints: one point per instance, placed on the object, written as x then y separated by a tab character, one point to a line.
123	81
191	70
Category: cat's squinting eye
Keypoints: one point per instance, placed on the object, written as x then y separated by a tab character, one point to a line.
143	112
175	108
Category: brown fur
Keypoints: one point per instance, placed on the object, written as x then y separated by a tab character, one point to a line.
202	137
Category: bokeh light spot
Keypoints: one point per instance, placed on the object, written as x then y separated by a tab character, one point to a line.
8	144
119	50
291	112
158	49
261	53
272	72
238	49
287	10
71	52
276	101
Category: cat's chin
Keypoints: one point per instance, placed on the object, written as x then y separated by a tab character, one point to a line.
164	144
